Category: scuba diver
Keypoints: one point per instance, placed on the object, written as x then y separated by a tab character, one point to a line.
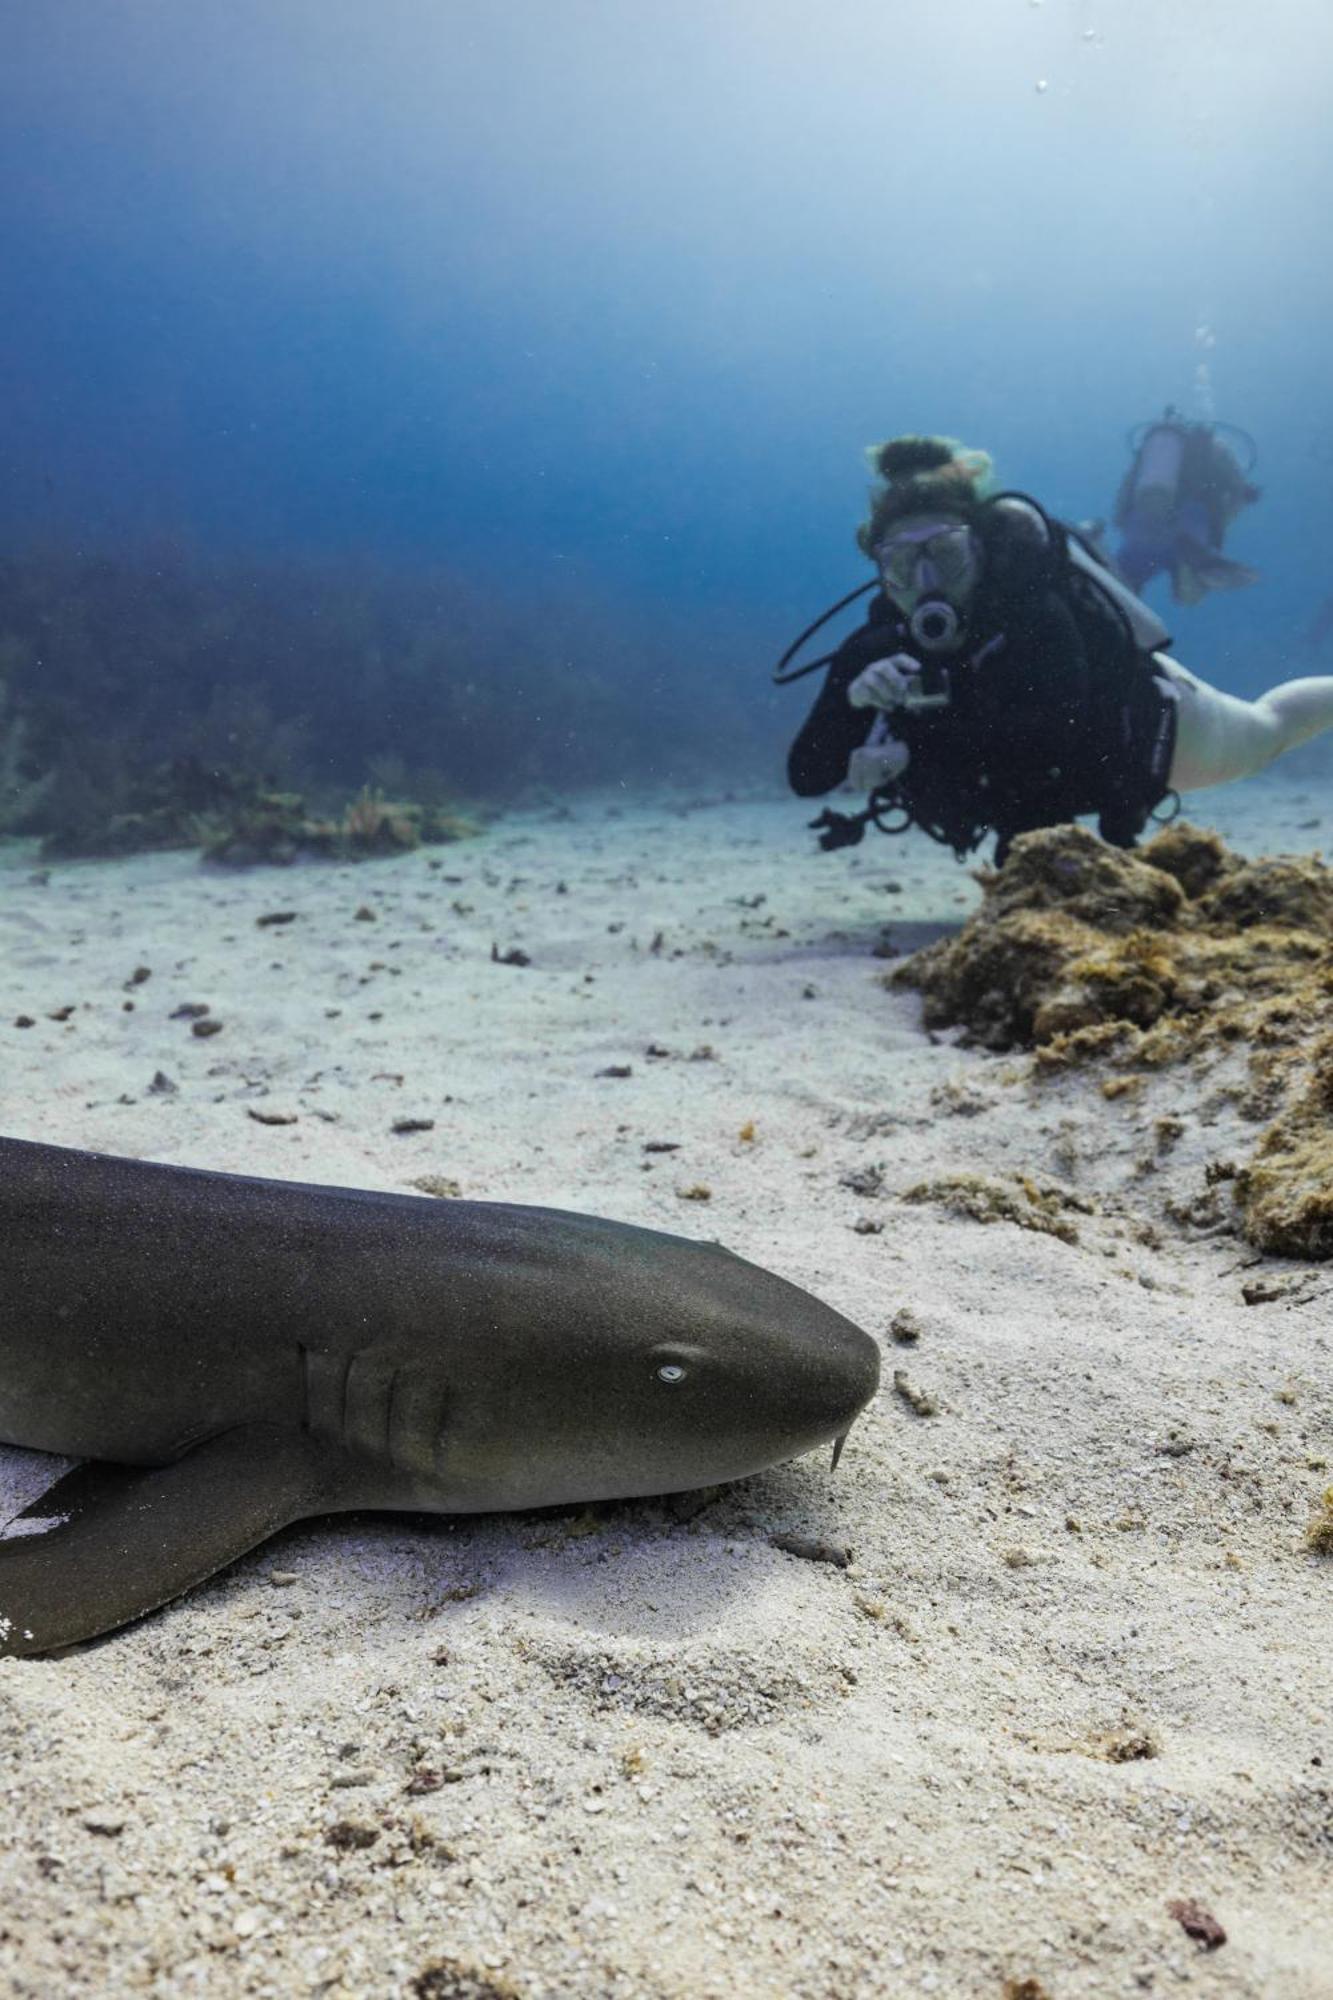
1005	679
1183	491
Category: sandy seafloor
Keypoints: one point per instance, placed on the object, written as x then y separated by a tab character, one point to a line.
678	1761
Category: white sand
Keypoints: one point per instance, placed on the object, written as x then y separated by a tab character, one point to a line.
680	1762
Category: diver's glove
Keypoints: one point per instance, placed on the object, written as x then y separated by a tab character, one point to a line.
876	764
885	683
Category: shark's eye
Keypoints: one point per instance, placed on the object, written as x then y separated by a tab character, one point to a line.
671	1371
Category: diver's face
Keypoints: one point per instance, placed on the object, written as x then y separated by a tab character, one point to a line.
929	556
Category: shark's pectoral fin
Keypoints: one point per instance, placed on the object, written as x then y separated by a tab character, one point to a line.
125	1539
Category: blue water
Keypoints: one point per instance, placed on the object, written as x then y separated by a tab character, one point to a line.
603	296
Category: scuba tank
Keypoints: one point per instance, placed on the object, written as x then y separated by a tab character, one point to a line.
1153	486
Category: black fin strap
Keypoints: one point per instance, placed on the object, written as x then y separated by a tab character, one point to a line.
840	829
837	829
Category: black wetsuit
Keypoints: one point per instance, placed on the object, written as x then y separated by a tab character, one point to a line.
1053	711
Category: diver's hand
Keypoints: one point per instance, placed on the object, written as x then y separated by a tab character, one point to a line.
876	764
885	683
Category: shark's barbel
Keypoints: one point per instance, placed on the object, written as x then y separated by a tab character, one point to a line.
236	1354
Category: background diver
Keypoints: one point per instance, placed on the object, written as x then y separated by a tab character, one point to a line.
1181	494
1006	679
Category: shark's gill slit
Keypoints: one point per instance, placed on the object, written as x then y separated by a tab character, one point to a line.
344	1397
391	1451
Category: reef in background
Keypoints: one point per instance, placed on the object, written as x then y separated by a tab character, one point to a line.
234	818
276	826
1132	962
313	669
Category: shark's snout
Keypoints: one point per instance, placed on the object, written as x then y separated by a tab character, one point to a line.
852	1366
839	1368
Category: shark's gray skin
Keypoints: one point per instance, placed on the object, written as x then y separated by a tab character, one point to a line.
237	1354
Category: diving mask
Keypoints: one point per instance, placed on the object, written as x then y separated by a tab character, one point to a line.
929	559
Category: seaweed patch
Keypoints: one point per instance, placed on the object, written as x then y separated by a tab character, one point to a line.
1028	1204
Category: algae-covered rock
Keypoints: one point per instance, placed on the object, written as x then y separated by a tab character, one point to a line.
997	985
441	824
1090	956
1067	870
1281	892
269	827
234	817
1068	939
1194	855
1012	976
1027	1203
1133	980
1285	1194
276	827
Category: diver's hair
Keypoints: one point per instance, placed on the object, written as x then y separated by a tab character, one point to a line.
917	474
